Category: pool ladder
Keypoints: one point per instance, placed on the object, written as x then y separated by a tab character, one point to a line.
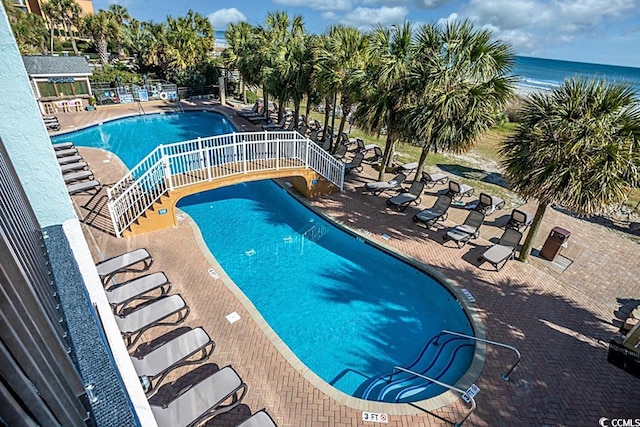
504	376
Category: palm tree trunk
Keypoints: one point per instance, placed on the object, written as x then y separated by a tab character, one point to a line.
296	113
51	38
388	151
265	98
327	111
343	120
307	110
423	157
102	50
68	30
533	231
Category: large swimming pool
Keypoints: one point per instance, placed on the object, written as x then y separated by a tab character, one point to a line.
349	311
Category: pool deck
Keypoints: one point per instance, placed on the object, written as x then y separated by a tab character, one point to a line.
561	321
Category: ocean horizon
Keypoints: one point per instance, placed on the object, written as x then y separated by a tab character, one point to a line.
536	74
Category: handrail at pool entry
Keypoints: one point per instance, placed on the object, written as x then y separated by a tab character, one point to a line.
204	159
504	376
441	384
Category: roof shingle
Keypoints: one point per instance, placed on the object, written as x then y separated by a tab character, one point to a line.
52	65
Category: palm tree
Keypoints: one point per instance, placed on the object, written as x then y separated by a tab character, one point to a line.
189	39
28	29
236	36
459	80
51	16
577	146
342	58
384	85
121	17
71	12
100	27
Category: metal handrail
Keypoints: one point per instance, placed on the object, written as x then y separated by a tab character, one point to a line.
448	386
504	376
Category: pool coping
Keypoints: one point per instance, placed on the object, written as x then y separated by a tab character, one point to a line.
410	408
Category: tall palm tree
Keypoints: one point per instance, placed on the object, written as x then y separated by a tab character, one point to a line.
341	59
459	80
120	17
28	29
577	146
384	85
51	16
190	39
236	36
100	27
65	14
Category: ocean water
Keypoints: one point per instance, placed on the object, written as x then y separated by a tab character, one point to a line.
545	74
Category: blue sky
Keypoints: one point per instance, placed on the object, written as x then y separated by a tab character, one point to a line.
599	31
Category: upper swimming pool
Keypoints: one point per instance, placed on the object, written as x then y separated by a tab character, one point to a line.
133	138
348	311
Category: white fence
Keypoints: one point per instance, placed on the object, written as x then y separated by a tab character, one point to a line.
205	159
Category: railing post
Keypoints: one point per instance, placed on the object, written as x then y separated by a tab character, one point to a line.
244	156
207	162
166	167
306	155
278	152
116	224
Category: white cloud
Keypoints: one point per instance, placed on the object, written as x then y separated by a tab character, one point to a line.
220	19
530	24
364	17
325	5
431	4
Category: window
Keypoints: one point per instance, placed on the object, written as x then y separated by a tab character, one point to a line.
50	89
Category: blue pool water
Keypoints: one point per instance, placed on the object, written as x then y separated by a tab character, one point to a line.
135	137
347	310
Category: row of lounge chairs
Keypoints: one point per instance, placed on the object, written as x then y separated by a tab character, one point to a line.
498	254
218	393
75	171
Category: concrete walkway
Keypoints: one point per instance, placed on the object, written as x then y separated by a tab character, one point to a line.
561	321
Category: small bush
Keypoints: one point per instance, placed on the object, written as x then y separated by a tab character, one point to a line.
110	72
252	97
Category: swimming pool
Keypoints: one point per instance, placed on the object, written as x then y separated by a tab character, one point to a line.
347	310
133	138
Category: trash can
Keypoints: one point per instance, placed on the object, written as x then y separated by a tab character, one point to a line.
554	242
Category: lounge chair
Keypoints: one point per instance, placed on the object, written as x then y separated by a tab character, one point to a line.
327	144
340	152
354	164
135	323
66	153
137	289
88	187
62	146
431	179
394	183
124	263
407	167
250	111
69	159
259	419
438	212
70	167
504	250
51	122
470	229
275	126
376	157
488	204
458	191
77	176
202	401
361	147
519	219
154	366
402	200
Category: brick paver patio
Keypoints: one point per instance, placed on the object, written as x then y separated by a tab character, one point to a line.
560	321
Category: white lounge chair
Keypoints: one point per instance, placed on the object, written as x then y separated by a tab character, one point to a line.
504	250
402	200
70	167
458	191
202	401
380	187
137	289
431	179
89	187
132	325
519	219
259	419
77	176
66	153
62	146
488	204
69	159
438	212
470	229
124	263
154	366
